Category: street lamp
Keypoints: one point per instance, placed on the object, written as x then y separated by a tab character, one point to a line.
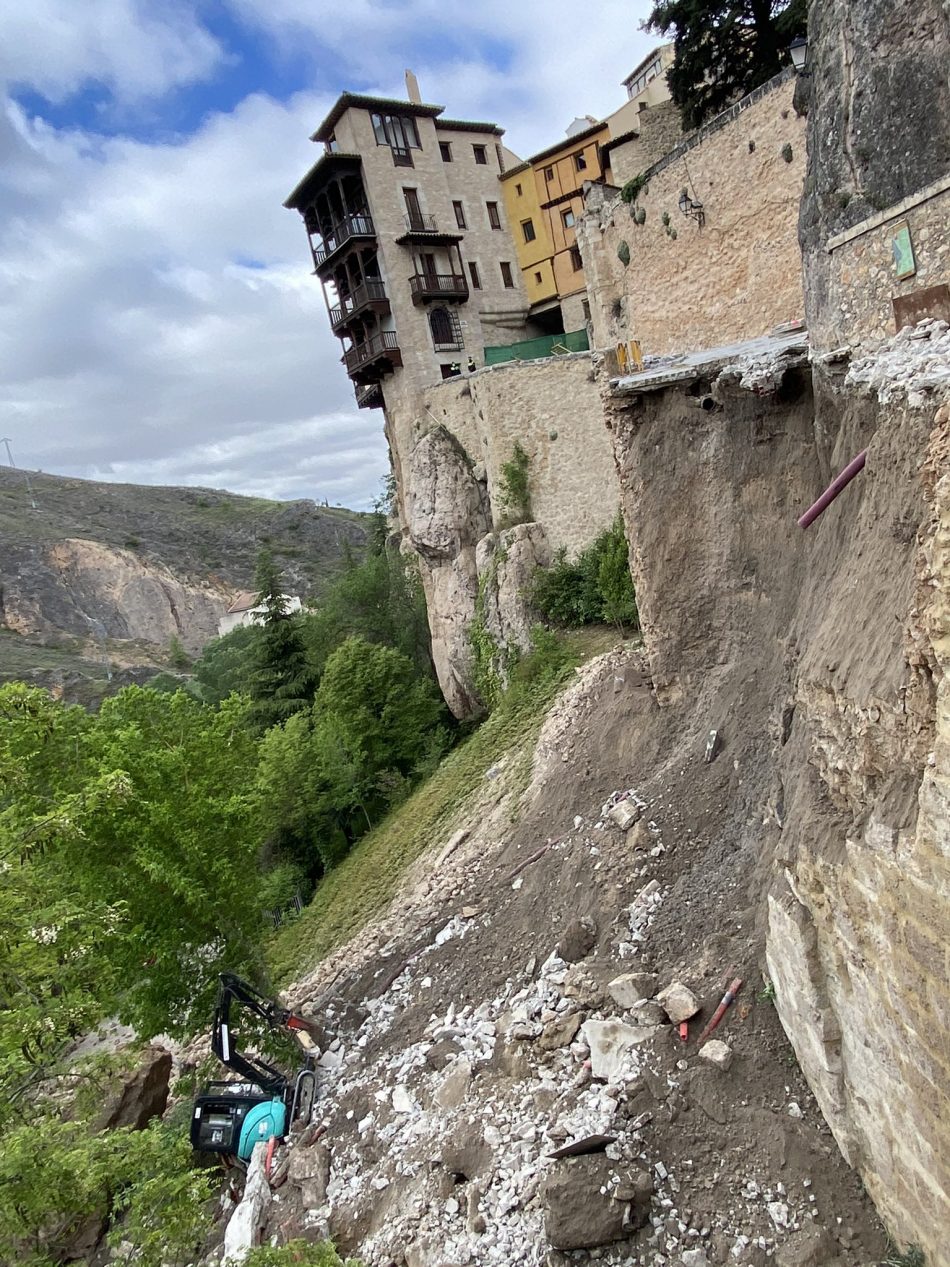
691	208
799	54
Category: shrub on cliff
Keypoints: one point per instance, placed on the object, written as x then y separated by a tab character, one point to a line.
595	587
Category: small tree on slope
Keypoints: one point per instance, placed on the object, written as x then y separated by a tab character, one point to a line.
282	682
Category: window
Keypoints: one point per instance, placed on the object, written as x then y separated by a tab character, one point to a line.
399	133
506	276
459	215
493	217
580	162
568	218
481	157
585	305
527	228
445	149
415	220
576	262
549	173
537	278
446	331
473	273
518	190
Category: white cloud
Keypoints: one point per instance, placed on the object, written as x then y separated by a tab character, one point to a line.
133	48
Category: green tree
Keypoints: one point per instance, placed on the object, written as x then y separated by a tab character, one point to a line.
618	601
282	681
227	663
724	48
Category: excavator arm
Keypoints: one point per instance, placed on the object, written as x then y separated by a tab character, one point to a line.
253	1068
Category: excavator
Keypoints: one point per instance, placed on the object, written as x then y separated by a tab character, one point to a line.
231	1117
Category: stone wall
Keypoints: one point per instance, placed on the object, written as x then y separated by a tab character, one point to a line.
862	274
449	442
734	277
659	130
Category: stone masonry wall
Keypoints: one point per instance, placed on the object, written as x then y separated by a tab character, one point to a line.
735	277
862	276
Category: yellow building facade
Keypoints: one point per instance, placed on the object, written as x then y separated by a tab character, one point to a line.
543	200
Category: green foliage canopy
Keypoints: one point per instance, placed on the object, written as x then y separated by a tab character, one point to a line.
724	48
596	587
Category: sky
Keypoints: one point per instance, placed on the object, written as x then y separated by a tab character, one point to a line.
158	320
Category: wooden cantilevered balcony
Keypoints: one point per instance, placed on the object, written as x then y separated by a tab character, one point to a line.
350	227
377	356
427	287
369	295
369	396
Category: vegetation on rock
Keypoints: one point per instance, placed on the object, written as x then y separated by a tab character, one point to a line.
595	587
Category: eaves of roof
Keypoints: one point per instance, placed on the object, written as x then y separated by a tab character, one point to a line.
346	100
324	164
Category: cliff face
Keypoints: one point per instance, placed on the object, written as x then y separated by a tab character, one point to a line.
878	101
95	569
820	657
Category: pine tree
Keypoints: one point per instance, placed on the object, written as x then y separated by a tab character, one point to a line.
282	681
724	48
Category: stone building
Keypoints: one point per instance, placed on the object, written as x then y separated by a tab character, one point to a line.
409	236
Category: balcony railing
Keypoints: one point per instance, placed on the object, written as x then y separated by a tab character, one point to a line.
360	226
418	222
424	286
368	292
370	396
384	343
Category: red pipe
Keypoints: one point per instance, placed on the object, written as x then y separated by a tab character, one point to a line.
834	488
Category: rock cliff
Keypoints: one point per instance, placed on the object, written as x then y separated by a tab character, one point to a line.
91	569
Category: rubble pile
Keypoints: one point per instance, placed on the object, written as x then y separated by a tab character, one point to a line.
912	364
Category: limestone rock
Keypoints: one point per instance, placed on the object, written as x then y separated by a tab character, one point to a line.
244	1226
610	1042
142	1095
580	1210
678	1002
717	1053
560	1032
506	563
628	989
577	940
624	814
310	1170
453	1088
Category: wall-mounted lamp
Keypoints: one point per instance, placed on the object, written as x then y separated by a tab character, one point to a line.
798	50
691	208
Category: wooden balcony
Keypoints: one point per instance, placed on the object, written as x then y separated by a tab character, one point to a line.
368	296
369	396
423	228
350	227
427	287
379	355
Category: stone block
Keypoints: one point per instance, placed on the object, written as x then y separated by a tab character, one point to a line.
560	1032
716	1053
580	1208
628	989
678	1002
610	1043
453	1088
577	940
624	814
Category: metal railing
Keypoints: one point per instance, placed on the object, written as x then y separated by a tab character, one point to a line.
365	293
419	222
357	226
438	284
376	345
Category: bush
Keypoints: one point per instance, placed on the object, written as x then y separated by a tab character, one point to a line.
515	494
596	587
298	1254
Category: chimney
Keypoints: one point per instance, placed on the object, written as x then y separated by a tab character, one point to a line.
412	88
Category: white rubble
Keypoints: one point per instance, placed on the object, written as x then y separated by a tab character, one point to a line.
244	1225
678	1002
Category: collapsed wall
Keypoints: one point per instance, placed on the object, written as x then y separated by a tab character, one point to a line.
820	657
449	444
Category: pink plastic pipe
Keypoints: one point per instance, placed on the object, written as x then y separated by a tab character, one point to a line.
834	488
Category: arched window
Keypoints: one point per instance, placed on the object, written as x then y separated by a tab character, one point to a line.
446	332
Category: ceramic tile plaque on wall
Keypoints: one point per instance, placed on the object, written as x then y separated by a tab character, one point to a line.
903	249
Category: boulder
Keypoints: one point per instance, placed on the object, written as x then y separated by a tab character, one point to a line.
560	1032
811	1247
678	1002
141	1096
577	940
310	1170
628	989
624	814
581	1208
610	1042
717	1053
244	1226
453	1088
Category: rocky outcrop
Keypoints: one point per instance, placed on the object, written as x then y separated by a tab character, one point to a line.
878	101
88	590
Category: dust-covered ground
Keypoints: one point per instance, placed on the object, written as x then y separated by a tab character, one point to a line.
459	1031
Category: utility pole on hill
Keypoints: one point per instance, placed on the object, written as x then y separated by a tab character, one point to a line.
13	466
